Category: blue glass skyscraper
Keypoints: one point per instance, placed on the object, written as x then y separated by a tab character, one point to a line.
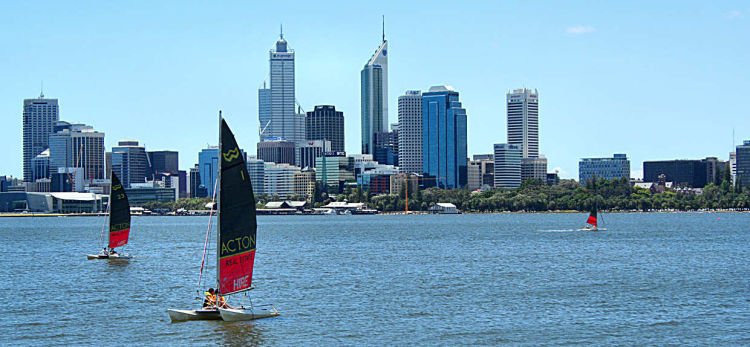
444	154
208	166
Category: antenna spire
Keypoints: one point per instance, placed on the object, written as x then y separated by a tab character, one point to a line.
41	90
281	31
383	28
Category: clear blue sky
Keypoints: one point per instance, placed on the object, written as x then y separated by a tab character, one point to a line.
655	80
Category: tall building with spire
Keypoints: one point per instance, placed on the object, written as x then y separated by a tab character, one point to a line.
375	96
277	113
39	117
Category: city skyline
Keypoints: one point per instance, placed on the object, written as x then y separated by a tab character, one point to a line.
586	63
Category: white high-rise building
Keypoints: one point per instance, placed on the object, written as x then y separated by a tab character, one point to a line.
507	165
523	121
374	97
278	179
277	113
39	116
79	146
410	132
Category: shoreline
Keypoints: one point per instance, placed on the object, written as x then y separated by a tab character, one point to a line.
47	215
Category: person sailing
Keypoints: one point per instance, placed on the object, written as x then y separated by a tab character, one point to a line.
222	301
210	299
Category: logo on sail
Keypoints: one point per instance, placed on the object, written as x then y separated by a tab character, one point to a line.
231	154
116	187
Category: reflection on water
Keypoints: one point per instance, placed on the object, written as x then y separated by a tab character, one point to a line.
238	334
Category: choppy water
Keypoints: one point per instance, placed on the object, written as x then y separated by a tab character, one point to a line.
373	280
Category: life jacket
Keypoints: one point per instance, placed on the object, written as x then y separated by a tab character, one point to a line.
210	299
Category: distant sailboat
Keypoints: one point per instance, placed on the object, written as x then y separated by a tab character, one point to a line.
235	239
592	223
119	223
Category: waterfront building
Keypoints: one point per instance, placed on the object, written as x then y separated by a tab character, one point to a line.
607	168
277	151
553	179
77	145
374	178
39	116
404	181
410	132
326	124
386	146
278	179
277	112
686	172
743	164
474	175
306	152
304	184
4	183
256	170
523	121
334	169
374	97
487	165
534	169
507	165
142	193
68	179
444	154
40	166
130	162
163	161
208	168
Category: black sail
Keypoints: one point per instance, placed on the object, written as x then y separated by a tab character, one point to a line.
119	214
237	223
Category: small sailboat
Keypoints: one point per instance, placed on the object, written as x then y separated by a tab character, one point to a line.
119	223
235	240
592	223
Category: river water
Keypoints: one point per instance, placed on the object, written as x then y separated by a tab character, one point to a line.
651	279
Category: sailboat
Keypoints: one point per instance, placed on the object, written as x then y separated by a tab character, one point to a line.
592	223
235	238
119	223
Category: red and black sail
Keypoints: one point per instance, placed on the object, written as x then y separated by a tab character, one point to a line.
237	223
592	217
119	214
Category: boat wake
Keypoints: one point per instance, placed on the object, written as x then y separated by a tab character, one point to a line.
556	230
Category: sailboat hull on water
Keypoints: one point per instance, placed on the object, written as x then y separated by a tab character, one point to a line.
108	256
186	315
236	314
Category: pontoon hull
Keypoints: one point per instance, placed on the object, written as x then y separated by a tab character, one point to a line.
108	257
233	315
186	315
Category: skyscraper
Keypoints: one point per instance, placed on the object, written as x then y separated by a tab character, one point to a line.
444	137
77	145
325	123
276	151
523	121
410	132
208	164
39	116
277	112
386	146
507	165
164	161
374	97
130	162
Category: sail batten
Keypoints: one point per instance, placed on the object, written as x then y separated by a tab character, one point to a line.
237	221
119	214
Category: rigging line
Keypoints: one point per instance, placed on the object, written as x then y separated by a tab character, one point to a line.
104	221
208	232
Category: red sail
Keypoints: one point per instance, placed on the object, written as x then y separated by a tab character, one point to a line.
591	220
237	224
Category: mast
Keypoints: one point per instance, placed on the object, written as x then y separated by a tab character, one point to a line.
218	211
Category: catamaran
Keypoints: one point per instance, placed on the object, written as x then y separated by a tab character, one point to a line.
592	223
235	238
119	223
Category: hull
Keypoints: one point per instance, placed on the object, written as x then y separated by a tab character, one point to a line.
233	315
187	315
593	229
108	257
